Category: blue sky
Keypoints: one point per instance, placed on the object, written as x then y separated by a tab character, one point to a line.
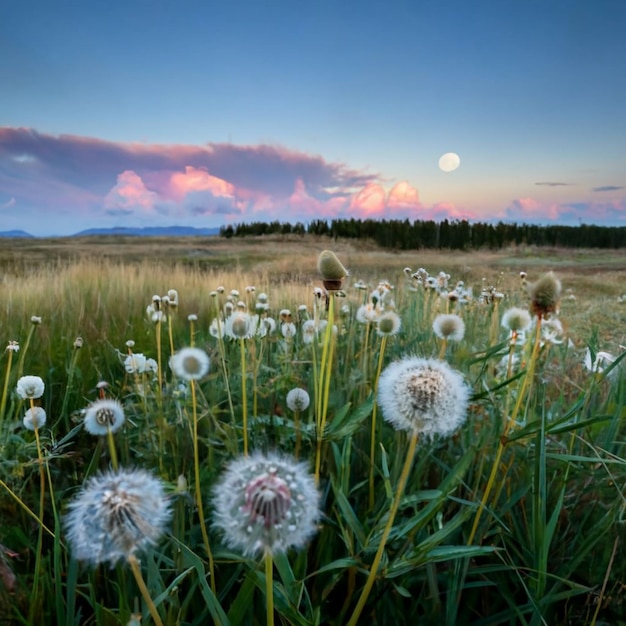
158	112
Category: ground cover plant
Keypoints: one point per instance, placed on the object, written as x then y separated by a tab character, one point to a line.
325	435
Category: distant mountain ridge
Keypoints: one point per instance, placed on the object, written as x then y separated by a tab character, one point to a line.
147	231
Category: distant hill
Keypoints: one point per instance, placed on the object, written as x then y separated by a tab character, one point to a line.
151	231
19	233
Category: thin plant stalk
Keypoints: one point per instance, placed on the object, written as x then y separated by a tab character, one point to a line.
68	388
507	427
244	397
442	350
381	355
406	470
196	467
5	388
296	423
111	444
24	350
136	570
25	507
269	587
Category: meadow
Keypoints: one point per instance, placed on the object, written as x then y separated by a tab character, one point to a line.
216	447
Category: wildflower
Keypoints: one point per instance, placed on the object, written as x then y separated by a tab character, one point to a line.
545	294
308	331
130	343
266	327
288	330
366	313
298	399
266	503
172	294
13	346
35	417
423	395
135	363
190	363
30	387
192	317
78	343
35	320
552	331
103	416
331	270
239	326
450	327
115	515
516	320
216	328
389	324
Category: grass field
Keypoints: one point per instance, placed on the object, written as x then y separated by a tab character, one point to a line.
513	516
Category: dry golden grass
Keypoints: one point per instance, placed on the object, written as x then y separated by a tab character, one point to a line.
79	277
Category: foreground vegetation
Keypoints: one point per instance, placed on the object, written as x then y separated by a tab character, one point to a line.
515	517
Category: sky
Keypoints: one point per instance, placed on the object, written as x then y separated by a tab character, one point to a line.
205	113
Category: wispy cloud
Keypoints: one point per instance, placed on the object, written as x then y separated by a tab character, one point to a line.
554	184
607	188
529	210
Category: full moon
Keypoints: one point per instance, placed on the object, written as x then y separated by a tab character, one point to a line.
449	162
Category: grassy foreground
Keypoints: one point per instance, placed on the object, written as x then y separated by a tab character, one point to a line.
516	518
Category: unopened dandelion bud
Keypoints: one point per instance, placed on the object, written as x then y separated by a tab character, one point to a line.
213	294
545	294
331	269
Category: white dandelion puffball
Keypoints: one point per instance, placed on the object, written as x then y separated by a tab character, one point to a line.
516	319
103	416
388	324
30	387
34	417
135	363
115	515
266	503
425	396
190	363
298	399
450	327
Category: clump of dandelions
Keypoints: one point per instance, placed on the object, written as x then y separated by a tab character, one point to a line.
190	363
449	327
103	416
266	504
30	387
116	515
423	395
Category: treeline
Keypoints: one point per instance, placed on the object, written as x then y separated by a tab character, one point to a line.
453	235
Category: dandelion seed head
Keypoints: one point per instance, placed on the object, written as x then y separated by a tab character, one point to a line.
35	417
172	294
545	294
35	320
192	317
190	363
516	319
30	387
266	503
388	324
102	416
298	399
423	395
449	326
13	346
288	330
115	515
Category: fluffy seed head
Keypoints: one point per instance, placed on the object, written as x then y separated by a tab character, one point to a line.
30	387
423	395
239	326
298	399
102	416
545	294
266	503
190	363
331	270
34	417
389	324
516	319
450	327
115	515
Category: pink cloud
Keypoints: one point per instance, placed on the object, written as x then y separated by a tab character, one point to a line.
196	179
403	196
130	192
369	202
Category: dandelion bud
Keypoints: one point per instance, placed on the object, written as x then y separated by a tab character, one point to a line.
266	503
423	395
298	399
30	387
213	294
545	294
221	289
331	270
34	418
115	515
450	327
103	416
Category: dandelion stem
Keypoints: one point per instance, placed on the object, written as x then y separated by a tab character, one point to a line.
269	587
112	451
134	566
5	388
507	427
383	345
442	350
244	398
196	467
408	463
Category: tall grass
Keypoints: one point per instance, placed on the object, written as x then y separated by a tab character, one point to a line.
515	519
